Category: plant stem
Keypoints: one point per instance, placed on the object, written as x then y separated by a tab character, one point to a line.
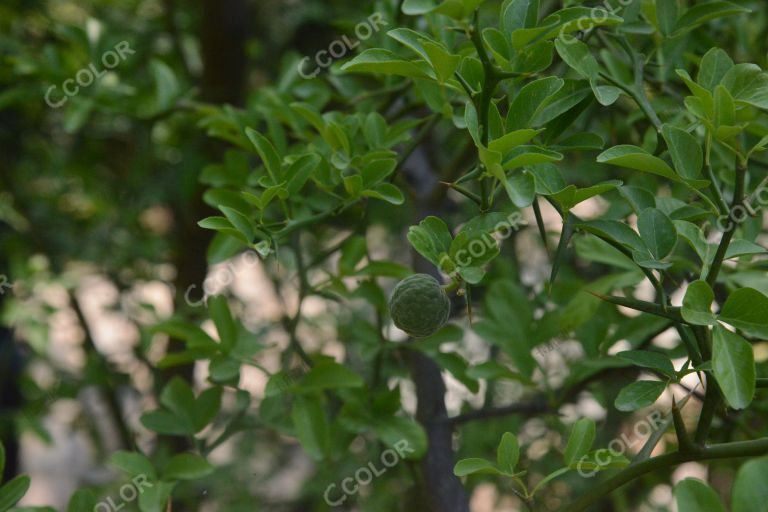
737	449
637	93
711	402
486	97
540	223
293	324
738	197
673	313
463	191
689	341
526	408
684	442
716	187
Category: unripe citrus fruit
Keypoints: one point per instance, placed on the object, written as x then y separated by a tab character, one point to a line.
419	305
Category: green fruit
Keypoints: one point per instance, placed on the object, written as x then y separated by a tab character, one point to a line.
419	305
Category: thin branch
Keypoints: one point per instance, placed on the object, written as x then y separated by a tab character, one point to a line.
527	408
110	393
738	197
718	451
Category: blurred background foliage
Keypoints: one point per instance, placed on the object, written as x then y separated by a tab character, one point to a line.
99	205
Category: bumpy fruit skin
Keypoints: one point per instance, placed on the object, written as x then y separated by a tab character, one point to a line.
419	305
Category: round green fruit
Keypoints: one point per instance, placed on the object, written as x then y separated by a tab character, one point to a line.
419	305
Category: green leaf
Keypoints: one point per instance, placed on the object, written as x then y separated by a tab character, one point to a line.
330	375
685	151
740	247
564	21
133	463
155	498
747	309
405	435
497	45
223	369
513	139
713	67
650	359
508	323
702	12
521	188
733	363
12	491
378	60
570	98
187	466
352	253
493	370
750	487
473	249
411	39
299	172
386	192
577	55
207	406
508	453
218	223
523	156
693	235
583	305
571	195
166	85
605	94
639	394
530	101
164	422
267	152
242	223
430	238
519	14
443	62
666	16
418	7
377	171
697	304
692	495
748	84
456	9
614	230
225	324
580	441
760	146
311	425
474	465
457	366
633	157
82	500
657	231
584	141
725	107
179	398
701	104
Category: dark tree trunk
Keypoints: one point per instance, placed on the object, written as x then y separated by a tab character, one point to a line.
444	490
11	398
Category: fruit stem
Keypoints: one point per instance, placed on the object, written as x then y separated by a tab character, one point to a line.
453	285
